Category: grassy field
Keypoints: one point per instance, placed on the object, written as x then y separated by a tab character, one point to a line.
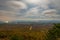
23	32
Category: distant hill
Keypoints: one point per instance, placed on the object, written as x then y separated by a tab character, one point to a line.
32	22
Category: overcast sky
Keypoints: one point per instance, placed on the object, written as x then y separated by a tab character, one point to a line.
29	10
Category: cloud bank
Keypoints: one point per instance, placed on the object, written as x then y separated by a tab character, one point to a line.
29	9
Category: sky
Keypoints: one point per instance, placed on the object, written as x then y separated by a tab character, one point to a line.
29	10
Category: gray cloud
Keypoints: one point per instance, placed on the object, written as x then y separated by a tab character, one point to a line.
9	9
25	9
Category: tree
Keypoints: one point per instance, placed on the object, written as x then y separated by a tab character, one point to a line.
54	33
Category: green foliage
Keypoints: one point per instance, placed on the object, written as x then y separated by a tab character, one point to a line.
54	33
22	35
3	35
14	37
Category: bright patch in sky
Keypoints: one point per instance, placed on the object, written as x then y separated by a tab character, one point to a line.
37	1
32	1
